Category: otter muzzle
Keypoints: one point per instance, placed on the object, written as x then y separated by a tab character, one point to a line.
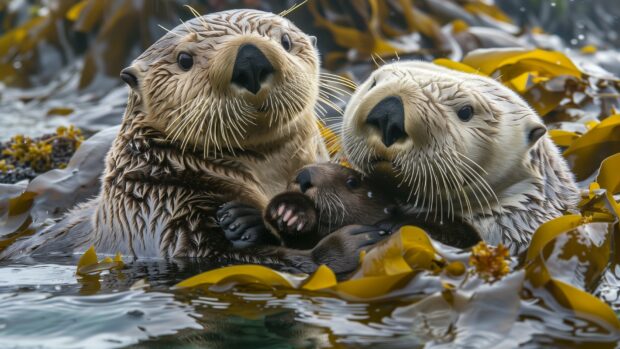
388	116
251	68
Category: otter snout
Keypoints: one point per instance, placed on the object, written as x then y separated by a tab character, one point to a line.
304	179
251	68
388	117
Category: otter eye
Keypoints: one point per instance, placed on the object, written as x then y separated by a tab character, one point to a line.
352	183
374	83
185	61
286	42
466	113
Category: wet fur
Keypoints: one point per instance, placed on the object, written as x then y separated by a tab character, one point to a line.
329	204
189	142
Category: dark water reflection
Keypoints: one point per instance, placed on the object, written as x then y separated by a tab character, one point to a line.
44	305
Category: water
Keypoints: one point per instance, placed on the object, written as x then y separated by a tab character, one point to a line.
44	305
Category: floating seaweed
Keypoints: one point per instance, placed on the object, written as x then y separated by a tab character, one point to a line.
24	157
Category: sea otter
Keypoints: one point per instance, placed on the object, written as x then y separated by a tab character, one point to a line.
327	197
459	144
220	109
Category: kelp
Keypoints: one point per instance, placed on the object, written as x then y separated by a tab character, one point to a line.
89	263
104	32
564	262
23	211
38	155
394	269
567	256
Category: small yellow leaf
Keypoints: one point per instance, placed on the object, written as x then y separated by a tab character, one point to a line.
88	258
75	10
459	26
322	278
456	268
588	49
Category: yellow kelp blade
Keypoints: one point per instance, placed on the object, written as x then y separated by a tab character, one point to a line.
458	66
586	242
241	274
89	264
586	153
386	268
331	139
88	258
489	60
609	179
372	287
549	231
366	42
563	138
570	297
407	250
322	278
582	303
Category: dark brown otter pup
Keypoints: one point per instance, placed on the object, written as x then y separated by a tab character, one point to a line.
324	198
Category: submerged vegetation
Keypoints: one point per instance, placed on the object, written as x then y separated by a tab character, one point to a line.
571	79
23	157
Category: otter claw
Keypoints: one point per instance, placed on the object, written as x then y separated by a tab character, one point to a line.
292	221
287	215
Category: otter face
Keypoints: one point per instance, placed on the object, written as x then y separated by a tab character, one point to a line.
452	139
227	80
342	196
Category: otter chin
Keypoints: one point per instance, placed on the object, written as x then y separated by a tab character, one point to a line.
459	145
232	81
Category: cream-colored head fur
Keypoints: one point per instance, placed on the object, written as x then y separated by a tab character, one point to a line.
444	162
200	108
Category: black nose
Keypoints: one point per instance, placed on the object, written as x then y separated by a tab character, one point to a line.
251	68
304	179
389	117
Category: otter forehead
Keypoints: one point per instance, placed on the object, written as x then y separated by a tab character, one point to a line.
215	28
449	86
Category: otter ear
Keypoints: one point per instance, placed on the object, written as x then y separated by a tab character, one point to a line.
313	40
130	76
535	130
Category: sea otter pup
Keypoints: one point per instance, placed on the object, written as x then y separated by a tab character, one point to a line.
220	108
459	144
318	200
326	197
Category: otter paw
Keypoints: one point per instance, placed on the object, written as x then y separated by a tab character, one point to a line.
292	214
340	250
243	225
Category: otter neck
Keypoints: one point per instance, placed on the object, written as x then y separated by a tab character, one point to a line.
272	164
